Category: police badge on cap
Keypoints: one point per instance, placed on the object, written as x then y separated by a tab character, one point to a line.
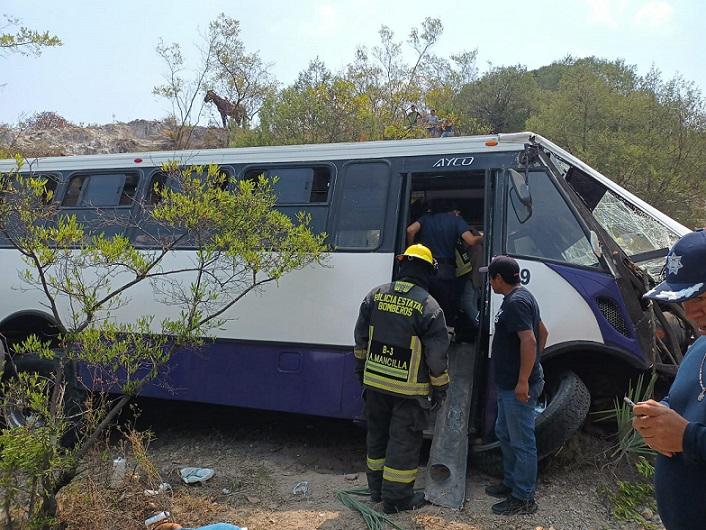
685	269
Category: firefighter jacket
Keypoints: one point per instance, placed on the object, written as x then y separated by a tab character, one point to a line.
402	337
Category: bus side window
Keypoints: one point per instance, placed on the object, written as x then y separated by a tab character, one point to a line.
129	190
150	232
112	189
154	192
300	189
361	211
73	192
297	185
101	202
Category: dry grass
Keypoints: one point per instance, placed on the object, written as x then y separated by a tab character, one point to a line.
92	503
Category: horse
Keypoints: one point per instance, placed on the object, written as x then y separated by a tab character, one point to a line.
227	109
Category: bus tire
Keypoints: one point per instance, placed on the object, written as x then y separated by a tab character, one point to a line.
73	398
566	402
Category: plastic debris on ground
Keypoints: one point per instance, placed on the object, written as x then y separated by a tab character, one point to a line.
163	488
193	475
118	475
301	488
218	526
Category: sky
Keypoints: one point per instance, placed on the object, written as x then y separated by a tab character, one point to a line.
107	67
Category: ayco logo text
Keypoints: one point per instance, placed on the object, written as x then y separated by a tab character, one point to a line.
448	162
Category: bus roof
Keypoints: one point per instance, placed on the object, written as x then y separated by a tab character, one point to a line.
270	154
335	151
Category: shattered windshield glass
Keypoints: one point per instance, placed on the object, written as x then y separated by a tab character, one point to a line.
634	230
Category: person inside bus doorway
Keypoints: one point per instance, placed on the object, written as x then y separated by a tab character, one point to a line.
469	281
401	343
440	230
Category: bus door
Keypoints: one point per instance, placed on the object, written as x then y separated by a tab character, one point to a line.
533	223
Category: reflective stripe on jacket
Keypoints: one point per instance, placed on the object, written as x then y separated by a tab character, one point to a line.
401	333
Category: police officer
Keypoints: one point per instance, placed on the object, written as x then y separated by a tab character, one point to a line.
400	347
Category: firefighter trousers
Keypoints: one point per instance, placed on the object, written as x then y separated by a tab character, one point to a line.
394	442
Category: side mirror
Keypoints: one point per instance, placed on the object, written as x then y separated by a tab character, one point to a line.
520	196
520	185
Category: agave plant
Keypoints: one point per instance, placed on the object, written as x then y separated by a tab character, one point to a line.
628	440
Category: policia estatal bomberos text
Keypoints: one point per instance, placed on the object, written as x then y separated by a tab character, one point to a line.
401	343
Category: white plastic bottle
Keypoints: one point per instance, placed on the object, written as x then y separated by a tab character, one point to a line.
161	516
119	468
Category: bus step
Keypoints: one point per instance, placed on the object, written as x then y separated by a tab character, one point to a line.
448	457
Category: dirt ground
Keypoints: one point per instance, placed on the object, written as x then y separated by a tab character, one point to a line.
260	457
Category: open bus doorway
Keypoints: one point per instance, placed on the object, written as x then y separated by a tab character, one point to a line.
463	192
459	194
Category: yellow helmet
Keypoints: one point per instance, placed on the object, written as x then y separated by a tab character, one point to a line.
418	251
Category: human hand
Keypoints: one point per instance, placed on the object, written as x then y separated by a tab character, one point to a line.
438	396
166	525
660	427
522	391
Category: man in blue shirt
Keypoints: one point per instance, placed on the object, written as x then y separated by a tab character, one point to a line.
676	427
518	341
439	231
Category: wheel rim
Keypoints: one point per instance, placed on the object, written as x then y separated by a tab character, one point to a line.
17	416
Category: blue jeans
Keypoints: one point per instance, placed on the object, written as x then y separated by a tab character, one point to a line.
469	299
514	428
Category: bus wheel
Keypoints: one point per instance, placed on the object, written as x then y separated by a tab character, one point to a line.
21	415
561	410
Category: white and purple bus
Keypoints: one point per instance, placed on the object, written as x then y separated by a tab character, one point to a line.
588	250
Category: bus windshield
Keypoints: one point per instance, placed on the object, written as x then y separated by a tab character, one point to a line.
638	233
634	230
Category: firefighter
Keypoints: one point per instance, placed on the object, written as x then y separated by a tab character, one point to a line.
400	348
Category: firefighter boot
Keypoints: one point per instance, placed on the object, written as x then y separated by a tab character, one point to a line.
412	503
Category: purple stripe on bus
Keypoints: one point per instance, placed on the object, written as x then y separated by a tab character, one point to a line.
311	380
593	285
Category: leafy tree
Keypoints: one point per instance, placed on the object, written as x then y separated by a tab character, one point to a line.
85	277
318	108
23	40
184	94
241	77
387	85
646	134
500	101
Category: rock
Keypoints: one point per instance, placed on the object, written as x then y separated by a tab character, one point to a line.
136	136
252	499
647	514
351	476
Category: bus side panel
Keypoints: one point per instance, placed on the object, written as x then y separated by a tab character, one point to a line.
602	295
288	378
314	305
562	305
